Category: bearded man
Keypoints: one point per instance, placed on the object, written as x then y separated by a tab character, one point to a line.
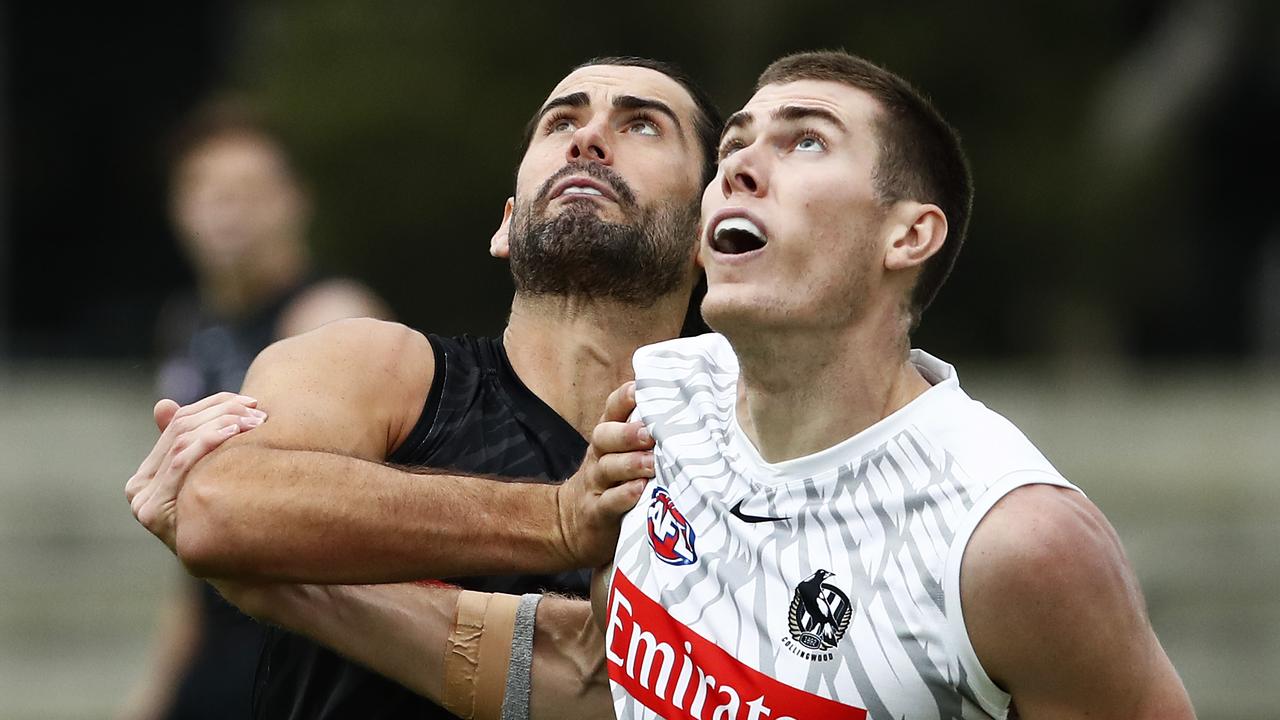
602	237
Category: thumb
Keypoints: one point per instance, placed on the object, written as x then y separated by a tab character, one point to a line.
620	403
164	412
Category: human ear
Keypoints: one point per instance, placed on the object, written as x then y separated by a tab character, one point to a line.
918	233
500	244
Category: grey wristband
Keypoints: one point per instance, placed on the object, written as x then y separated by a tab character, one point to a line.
515	704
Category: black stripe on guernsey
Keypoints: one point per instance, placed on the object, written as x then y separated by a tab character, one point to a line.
480	418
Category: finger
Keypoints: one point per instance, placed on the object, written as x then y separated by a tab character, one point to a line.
207	438
152	461
185	450
617	501
213	413
163	413
187	419
616	437
216	398
620	403
133	486
618	468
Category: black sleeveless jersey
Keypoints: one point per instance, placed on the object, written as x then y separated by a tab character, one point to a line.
478	418
203	354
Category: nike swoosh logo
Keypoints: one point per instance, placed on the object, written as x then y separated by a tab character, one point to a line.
737	512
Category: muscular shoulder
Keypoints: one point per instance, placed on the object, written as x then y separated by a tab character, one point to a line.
1052	607
367	376
355	344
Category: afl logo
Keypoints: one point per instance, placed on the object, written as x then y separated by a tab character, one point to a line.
819	616
670	535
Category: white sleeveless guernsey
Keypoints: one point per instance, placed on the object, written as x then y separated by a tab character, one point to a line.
821	587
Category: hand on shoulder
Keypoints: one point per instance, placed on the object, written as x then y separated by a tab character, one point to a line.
353	386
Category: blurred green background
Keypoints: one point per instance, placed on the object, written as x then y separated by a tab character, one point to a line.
1119	296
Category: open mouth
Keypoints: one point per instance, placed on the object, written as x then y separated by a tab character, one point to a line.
581	190
737	235
579	187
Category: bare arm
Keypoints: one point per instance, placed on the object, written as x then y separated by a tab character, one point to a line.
1056	615
304	497
400	631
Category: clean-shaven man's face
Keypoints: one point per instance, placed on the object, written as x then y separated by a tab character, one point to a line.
792	222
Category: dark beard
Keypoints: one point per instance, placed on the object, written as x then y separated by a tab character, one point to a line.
576	254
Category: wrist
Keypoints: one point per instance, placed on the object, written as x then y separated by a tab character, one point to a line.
560	529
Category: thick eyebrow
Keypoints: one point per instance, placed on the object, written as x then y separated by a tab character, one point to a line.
790	113
631	102
573	100
806	112
621	102
740	119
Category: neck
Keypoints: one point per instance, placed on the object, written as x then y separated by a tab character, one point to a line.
572	353
240	289
802	391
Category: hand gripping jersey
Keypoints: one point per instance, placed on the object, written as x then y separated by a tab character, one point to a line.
821	587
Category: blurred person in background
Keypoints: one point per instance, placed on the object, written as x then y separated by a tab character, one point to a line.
241	213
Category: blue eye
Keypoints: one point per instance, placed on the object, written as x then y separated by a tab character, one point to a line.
810	144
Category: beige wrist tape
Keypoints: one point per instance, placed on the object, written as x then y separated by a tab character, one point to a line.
478	653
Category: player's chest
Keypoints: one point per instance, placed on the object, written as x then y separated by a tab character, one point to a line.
790	592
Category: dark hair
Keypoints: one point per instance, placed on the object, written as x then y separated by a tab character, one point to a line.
221	117
920	154
706	121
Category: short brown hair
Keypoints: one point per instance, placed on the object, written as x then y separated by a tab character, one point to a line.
920	154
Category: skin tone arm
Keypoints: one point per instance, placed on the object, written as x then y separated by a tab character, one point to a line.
179	632
1056	616
400	632
305	497
1053	611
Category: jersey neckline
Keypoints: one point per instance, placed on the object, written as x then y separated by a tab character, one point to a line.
940	375
528	401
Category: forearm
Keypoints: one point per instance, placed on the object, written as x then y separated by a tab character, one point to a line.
569	672
254	512
397	630
401	631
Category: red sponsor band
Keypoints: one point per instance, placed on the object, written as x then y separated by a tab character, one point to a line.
681	675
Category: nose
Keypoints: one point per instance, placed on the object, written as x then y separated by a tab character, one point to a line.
590	142
741	172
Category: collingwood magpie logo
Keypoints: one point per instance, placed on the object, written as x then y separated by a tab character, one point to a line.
819	616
